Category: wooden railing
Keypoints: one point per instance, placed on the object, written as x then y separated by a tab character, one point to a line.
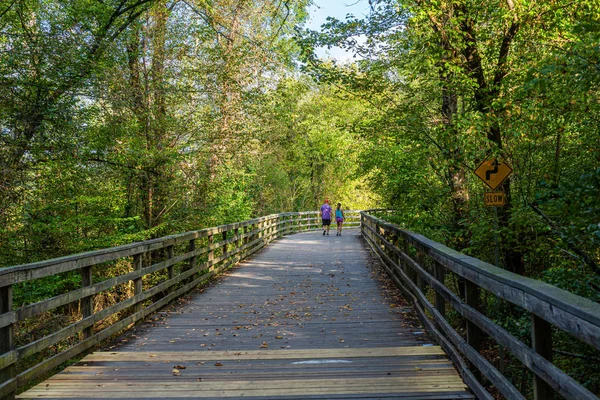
549	307
183	261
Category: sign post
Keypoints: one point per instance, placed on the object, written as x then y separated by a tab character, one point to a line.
493	173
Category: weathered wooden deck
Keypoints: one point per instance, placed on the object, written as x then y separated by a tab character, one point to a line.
306	318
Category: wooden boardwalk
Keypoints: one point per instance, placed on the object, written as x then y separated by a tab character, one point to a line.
306	318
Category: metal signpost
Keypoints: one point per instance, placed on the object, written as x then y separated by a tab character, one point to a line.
493	173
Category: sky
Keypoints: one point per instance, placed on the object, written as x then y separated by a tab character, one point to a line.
338	9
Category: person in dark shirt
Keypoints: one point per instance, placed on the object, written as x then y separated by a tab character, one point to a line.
326	216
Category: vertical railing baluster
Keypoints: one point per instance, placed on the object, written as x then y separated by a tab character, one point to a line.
87	303
170	268
440	275
7	339
412	274
211	253
236	243
473	332
420	259
137	282
395	257
224	238
541	342
192	265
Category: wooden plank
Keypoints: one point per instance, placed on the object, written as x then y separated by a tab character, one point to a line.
265	354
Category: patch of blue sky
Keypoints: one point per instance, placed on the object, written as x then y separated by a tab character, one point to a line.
339	9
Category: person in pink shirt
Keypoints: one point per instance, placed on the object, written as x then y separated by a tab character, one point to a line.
326	216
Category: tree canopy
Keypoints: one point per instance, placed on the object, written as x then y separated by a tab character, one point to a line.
122	120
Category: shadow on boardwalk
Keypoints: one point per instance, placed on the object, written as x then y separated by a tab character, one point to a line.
305	318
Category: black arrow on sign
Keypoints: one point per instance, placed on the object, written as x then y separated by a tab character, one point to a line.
492	171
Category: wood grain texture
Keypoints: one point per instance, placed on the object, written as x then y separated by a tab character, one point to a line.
305	318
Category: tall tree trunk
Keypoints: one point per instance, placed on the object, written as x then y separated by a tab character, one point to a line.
484	97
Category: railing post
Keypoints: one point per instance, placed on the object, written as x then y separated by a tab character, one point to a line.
224	238
171	268
211	252
473	331
137	282
541	342
412	274
440	275
87	303
397	259
192	247
259	231
362	231
420	259
7	338
269	230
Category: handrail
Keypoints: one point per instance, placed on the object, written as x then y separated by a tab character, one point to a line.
184	261
548	305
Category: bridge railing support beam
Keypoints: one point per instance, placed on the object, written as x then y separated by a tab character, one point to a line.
87	303
473	332
541	342
170	269
7	344
137	283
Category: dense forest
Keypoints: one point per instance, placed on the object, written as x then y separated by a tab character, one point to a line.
124	120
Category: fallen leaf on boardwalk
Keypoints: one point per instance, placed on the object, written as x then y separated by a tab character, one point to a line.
152	355
180	367
278	337
176	372
264	345
218	364
418	369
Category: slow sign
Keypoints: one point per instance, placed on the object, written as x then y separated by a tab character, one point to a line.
494	199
